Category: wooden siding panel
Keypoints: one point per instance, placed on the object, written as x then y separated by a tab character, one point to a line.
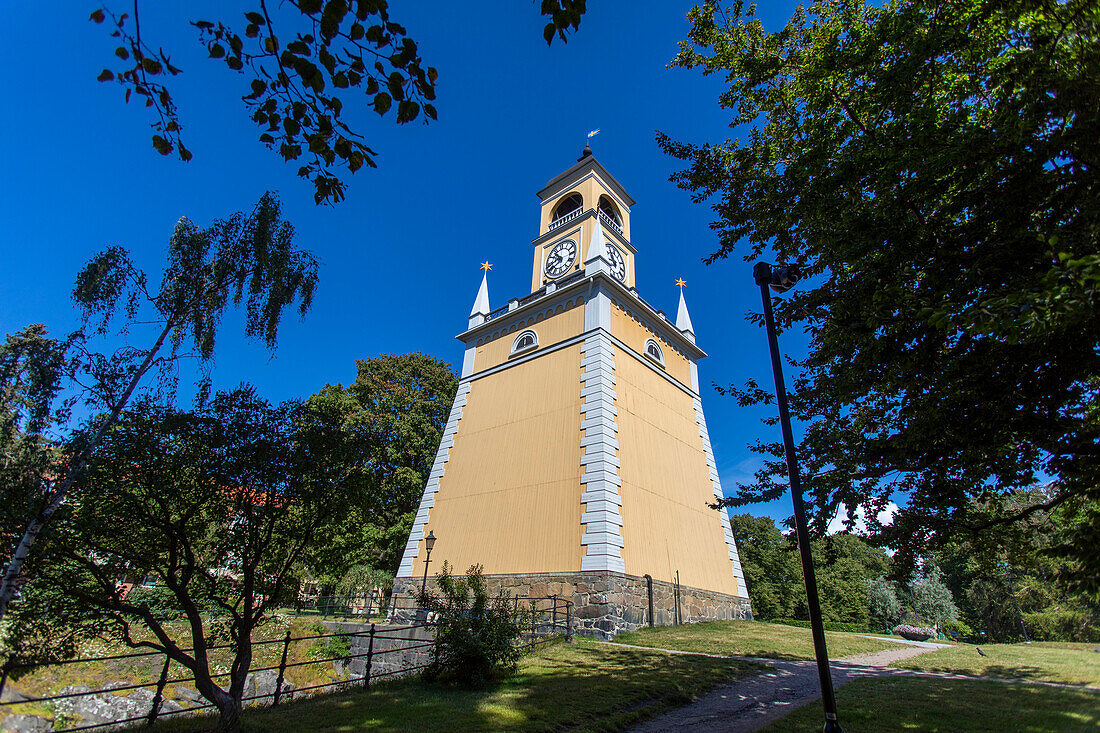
509	498
634	334
667	525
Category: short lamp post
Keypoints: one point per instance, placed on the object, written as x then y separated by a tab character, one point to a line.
780	280
429	543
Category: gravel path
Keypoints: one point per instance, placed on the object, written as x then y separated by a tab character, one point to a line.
751	703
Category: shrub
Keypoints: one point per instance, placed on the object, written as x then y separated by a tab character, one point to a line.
1061	625
827	625
476	635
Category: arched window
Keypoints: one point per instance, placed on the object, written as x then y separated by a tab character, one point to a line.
568	208
653	351
526	341
610	214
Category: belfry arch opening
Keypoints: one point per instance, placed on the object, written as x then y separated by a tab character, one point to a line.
609	213
568	208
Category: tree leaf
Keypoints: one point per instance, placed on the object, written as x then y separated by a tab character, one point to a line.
382	103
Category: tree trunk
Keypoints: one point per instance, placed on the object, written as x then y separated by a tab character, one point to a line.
229	716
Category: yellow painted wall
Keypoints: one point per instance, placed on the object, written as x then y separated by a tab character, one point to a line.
632	333
666	485
509	497
551	329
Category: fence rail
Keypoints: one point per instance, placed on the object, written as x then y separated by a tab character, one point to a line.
553	620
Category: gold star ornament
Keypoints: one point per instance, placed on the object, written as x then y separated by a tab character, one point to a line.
486	266
680	282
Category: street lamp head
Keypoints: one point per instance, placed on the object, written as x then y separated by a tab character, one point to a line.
429	541
781	278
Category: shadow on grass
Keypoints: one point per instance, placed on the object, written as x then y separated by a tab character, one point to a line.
566	687
910	703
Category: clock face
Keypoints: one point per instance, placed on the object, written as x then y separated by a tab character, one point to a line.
618	264
561	257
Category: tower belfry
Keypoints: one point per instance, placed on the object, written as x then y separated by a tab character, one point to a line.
576	459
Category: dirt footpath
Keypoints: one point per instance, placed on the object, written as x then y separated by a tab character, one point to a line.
751	703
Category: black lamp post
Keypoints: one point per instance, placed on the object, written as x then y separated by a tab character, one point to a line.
429	543
782	279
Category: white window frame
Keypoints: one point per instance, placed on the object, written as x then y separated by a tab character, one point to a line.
517	349
660	356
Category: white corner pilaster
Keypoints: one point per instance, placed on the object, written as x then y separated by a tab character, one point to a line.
427	500
597	310
724	516
468	361
600	480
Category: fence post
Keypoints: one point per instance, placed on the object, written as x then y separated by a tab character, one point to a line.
159	696
534	618
282	670
554	621
370	659
569	620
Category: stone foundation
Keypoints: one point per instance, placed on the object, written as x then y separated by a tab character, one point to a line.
605	603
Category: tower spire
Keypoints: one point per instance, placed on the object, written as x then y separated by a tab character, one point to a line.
683	319
598	259
481	308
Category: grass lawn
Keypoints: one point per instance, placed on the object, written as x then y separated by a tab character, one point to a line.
580	686
752	639
939	706
1075	664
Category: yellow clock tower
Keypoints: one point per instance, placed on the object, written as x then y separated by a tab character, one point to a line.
576	459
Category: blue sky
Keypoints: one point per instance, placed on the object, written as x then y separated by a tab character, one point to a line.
400	255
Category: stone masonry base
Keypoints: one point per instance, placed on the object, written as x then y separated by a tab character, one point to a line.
605	603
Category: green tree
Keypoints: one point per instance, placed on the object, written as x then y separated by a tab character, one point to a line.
883	605
249	258
1017	566
218	505
771	566
932	169
932	599
304	61
387	426
844	564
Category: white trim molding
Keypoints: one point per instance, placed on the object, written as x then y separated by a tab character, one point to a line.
653	351
427	500
521	345
600	480
723	515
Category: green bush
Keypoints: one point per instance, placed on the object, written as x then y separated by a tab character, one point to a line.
1061	625
160	601
476	635
829	625
330	647
955	627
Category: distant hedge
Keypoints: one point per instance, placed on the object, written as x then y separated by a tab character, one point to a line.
829	625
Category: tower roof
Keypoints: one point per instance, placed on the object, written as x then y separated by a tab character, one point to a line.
579	170
481	304
683	319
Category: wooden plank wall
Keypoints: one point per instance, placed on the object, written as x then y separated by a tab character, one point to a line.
632	333
667	525
509	498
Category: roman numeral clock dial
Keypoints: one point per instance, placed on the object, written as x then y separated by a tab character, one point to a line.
618	264
560	258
